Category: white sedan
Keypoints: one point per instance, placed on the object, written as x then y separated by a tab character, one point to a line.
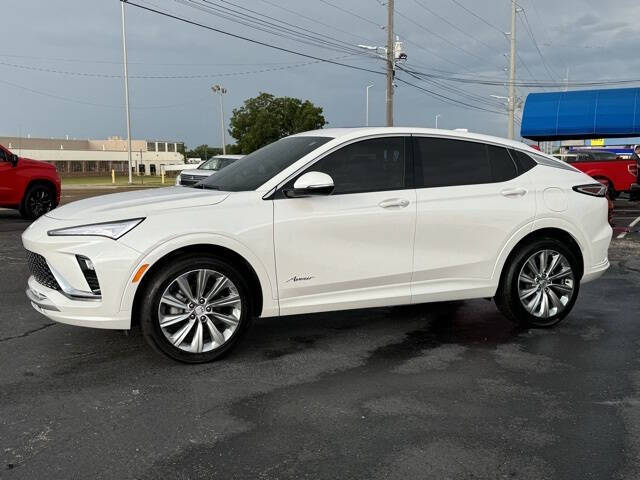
326	220
192	176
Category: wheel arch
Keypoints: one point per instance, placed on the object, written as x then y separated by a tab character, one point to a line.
556	233
255	286
39	181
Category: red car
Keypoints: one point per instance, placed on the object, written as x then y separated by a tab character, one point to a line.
607	168
30	186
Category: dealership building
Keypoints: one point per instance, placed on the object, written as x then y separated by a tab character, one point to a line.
98	157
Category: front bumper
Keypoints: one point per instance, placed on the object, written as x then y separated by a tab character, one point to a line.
82	313
73	302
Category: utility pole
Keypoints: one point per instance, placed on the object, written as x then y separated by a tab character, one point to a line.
437	116
366	114
126	88
511	102
390	63
222	91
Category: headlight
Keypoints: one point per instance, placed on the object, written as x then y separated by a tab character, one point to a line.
112	230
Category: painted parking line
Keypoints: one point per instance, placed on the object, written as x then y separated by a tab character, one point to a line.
631	225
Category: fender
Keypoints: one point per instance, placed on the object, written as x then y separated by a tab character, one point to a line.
269	296
539	224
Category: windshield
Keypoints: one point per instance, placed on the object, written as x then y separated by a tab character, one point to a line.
251	171
216	163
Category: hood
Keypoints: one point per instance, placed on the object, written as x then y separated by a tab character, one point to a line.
198	172
139	203
29	162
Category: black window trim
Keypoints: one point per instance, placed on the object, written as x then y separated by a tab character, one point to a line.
278	194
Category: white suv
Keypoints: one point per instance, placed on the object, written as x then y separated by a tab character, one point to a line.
325	220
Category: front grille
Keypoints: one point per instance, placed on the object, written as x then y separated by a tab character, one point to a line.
40	271
190	179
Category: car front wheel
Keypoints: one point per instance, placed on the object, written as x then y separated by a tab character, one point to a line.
195	309
540	285
38	200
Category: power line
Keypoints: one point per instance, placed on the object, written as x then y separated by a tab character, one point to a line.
441	37
251	40
267	27
314	20
483	20
453	25
353	14
444	98
525	22
258	42
407	40
166	77
102	105
119	62
304	33
499	82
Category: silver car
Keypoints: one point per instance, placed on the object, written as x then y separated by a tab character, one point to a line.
211	166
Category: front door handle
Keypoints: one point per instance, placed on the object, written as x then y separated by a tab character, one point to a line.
394	203
513	192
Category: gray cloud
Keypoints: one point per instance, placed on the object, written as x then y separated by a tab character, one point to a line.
593	42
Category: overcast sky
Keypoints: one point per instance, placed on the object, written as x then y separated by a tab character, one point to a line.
83	37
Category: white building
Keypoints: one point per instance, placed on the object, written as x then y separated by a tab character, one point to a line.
97	157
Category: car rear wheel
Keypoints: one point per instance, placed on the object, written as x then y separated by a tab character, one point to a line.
38	200
540	284
196	309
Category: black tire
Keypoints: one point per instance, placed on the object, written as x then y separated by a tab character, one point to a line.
157	284
38	200
508	295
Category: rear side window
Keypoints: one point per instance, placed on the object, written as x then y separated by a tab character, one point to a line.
502	166
371	165
442	162
523	161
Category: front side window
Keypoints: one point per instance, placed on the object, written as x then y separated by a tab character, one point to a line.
367	166
258	167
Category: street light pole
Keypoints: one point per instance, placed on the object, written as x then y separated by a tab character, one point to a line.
390	63
366	115
221	90
511	106
126	88
437	116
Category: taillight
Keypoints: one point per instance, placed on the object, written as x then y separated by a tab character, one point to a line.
633	169
593	189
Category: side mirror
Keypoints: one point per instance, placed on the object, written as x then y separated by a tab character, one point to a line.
13	159
311	184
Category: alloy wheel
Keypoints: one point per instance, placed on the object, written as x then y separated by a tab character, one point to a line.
546	283
199	311
40	202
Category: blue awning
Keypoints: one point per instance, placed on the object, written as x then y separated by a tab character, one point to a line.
582	114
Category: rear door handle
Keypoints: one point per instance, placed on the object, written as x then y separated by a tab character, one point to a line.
394	203
513	192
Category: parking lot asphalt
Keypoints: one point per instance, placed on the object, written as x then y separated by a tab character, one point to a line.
446	390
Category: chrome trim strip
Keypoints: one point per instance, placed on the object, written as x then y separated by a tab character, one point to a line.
40	301
71	292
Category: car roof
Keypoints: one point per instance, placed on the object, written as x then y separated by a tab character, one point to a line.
356	132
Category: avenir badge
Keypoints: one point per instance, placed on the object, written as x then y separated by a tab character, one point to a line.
296	278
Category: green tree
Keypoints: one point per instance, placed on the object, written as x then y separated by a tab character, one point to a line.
266	118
